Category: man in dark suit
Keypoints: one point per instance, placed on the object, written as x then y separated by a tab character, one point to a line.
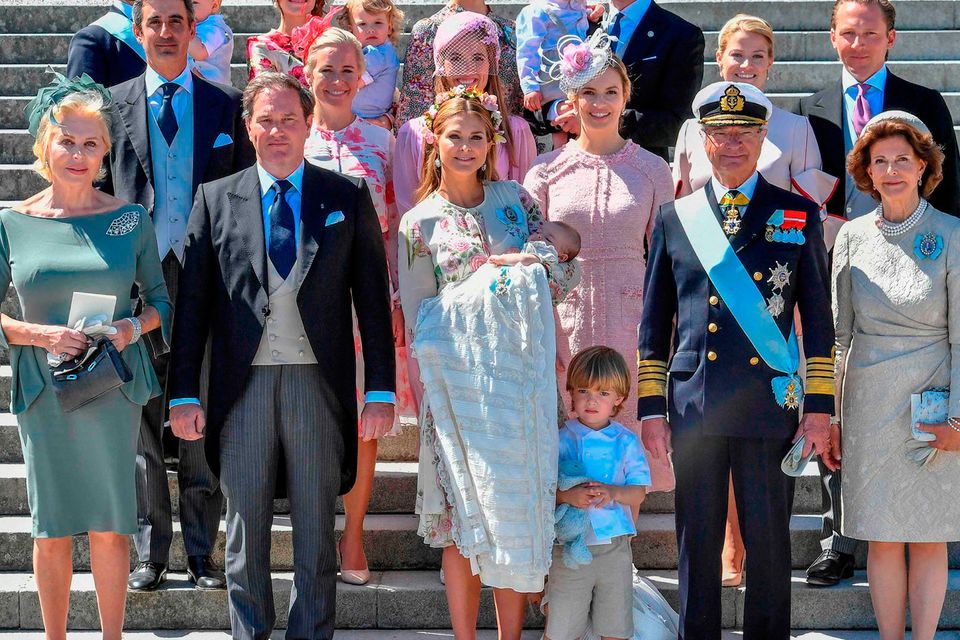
107	50
663	54
275	254
863	32
729	264
172	131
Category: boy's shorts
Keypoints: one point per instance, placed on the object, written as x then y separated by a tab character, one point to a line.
600	592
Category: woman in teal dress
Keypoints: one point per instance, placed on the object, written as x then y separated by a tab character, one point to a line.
69	238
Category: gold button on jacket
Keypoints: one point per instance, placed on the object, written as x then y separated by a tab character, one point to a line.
714	300
711	355
754	360
712	327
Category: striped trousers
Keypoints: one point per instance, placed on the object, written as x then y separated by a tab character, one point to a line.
282	411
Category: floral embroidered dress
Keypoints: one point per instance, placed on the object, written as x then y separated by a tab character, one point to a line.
417	94
277	51
365	150
442	244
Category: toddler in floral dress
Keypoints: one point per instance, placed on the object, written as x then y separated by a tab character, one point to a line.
377	25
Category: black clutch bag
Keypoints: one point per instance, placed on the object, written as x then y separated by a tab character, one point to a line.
85	378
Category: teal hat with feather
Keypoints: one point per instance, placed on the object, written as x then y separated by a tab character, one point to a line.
55	92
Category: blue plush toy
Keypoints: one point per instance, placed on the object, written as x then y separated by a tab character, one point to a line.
571	522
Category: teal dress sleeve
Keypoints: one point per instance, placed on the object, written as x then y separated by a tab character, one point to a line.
153	291
4	276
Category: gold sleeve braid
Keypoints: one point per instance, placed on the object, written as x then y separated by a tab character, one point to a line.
651	378
820	375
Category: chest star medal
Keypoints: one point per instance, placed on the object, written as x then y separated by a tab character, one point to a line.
775	305
779	277
731	224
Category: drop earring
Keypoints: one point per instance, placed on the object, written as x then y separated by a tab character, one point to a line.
436	163
484	167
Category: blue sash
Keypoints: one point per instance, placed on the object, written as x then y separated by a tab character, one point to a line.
741	295
121	28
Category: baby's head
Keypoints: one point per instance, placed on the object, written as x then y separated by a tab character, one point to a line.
562	236
598	382
372	21
205	8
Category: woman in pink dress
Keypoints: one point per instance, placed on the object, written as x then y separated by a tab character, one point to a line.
283	49
466	51
609	189
343	142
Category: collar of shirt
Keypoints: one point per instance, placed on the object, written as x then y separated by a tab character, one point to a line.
581	430
877	80
267	196
632	15
154	80
124	8
747	188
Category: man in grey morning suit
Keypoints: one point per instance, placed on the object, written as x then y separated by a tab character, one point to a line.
274	256
171	131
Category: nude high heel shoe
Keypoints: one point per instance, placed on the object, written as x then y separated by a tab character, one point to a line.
357	577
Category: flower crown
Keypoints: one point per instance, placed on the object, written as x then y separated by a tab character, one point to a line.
485	100
55	92
581	60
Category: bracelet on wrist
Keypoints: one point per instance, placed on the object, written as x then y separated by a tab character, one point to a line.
137	328
953	423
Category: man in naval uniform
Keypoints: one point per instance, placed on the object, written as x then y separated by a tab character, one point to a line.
107	50
729	264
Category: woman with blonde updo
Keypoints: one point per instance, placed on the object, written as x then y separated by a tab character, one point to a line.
488	460
72	238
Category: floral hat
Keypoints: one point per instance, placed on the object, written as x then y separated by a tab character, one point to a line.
456	37
581	60
484	99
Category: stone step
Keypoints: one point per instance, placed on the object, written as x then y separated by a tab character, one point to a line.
392	543
28	48
416	600
258	15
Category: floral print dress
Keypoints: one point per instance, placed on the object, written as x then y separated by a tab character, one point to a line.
277	51
442	243
417	94
365	150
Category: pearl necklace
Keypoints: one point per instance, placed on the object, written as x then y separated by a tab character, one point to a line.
899	228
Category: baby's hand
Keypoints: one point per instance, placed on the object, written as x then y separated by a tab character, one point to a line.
563	107
532	101
594	12
512	259
580	496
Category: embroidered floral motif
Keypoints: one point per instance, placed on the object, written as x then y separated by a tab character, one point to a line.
124	224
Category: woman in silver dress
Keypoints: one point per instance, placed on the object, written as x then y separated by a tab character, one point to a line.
896	280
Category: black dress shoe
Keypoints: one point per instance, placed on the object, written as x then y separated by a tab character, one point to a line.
147	576
203	572
829	568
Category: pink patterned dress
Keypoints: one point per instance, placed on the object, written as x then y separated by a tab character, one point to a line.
364	150
611	200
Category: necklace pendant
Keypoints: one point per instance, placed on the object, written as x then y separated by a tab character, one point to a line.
731	224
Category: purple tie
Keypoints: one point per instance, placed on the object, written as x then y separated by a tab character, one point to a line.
861	112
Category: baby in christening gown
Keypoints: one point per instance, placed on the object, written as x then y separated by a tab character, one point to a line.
554	242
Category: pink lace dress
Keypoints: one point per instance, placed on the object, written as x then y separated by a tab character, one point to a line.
364	150
611	200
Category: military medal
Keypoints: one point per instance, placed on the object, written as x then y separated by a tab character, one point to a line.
791	397
731	224
779	277
775	305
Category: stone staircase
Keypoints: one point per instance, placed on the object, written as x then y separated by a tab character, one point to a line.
405	597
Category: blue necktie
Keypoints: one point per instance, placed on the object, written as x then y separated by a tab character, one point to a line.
167	119
615	29
283	237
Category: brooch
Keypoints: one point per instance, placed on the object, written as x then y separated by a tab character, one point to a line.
124	224
501	283
511	219
786	225
775	305
779	277
928	246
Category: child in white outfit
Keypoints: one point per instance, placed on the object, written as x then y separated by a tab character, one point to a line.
611	455
212	47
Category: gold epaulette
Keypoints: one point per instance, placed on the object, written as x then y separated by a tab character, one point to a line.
820	375
651	378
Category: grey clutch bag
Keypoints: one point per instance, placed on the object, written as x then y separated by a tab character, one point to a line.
84	379
794	463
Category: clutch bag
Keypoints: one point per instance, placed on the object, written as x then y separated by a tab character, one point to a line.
794	463
928	407
83	379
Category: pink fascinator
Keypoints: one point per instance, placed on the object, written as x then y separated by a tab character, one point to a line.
304	36
581	60
456	41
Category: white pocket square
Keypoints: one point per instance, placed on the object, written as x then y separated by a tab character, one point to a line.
334	218
222	140
648	59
